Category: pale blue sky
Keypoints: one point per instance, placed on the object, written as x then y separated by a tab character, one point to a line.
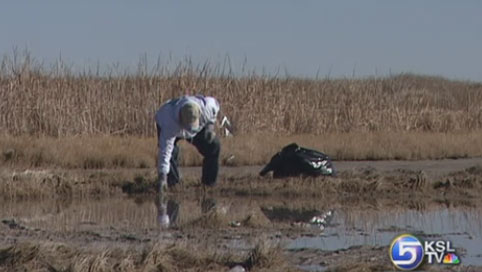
336	38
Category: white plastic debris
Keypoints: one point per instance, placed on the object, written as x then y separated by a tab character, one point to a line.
226	125
235	224
317	220
320	221
230	158
237	268
225	122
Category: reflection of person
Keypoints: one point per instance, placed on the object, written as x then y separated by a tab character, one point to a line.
191	118
167	212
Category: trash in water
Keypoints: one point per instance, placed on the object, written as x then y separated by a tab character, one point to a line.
235	224
318	221
237	268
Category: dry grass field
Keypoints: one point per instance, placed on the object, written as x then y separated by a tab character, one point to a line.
104	151
53	116
56	102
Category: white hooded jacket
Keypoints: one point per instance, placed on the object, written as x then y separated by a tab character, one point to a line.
168	119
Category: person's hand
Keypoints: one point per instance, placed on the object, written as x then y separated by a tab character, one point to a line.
209	133
162	183
164	221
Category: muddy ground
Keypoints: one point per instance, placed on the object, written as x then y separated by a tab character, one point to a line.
112	220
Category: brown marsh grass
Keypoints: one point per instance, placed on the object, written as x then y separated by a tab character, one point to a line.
52	116
98	152
38	100
182	256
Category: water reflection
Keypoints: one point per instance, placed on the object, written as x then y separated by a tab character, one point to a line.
353	222
463	227
167	212
168	209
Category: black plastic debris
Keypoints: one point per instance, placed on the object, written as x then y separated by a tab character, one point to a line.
294	160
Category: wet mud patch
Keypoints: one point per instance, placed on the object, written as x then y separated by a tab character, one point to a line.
341	223
128	224
365	182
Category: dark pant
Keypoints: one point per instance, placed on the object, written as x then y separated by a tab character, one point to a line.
210	152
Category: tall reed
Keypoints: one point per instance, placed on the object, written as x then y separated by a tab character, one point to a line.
56	101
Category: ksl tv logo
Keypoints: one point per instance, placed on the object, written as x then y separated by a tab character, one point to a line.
407	252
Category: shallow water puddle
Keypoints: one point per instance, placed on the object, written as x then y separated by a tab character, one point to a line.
461	226
128	220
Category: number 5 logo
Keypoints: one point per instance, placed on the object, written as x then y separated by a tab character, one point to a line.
406	252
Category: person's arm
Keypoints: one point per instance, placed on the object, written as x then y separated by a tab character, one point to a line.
165	138
212	106
166	145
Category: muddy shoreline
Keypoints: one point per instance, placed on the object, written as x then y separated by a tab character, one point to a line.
88	214
359	233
